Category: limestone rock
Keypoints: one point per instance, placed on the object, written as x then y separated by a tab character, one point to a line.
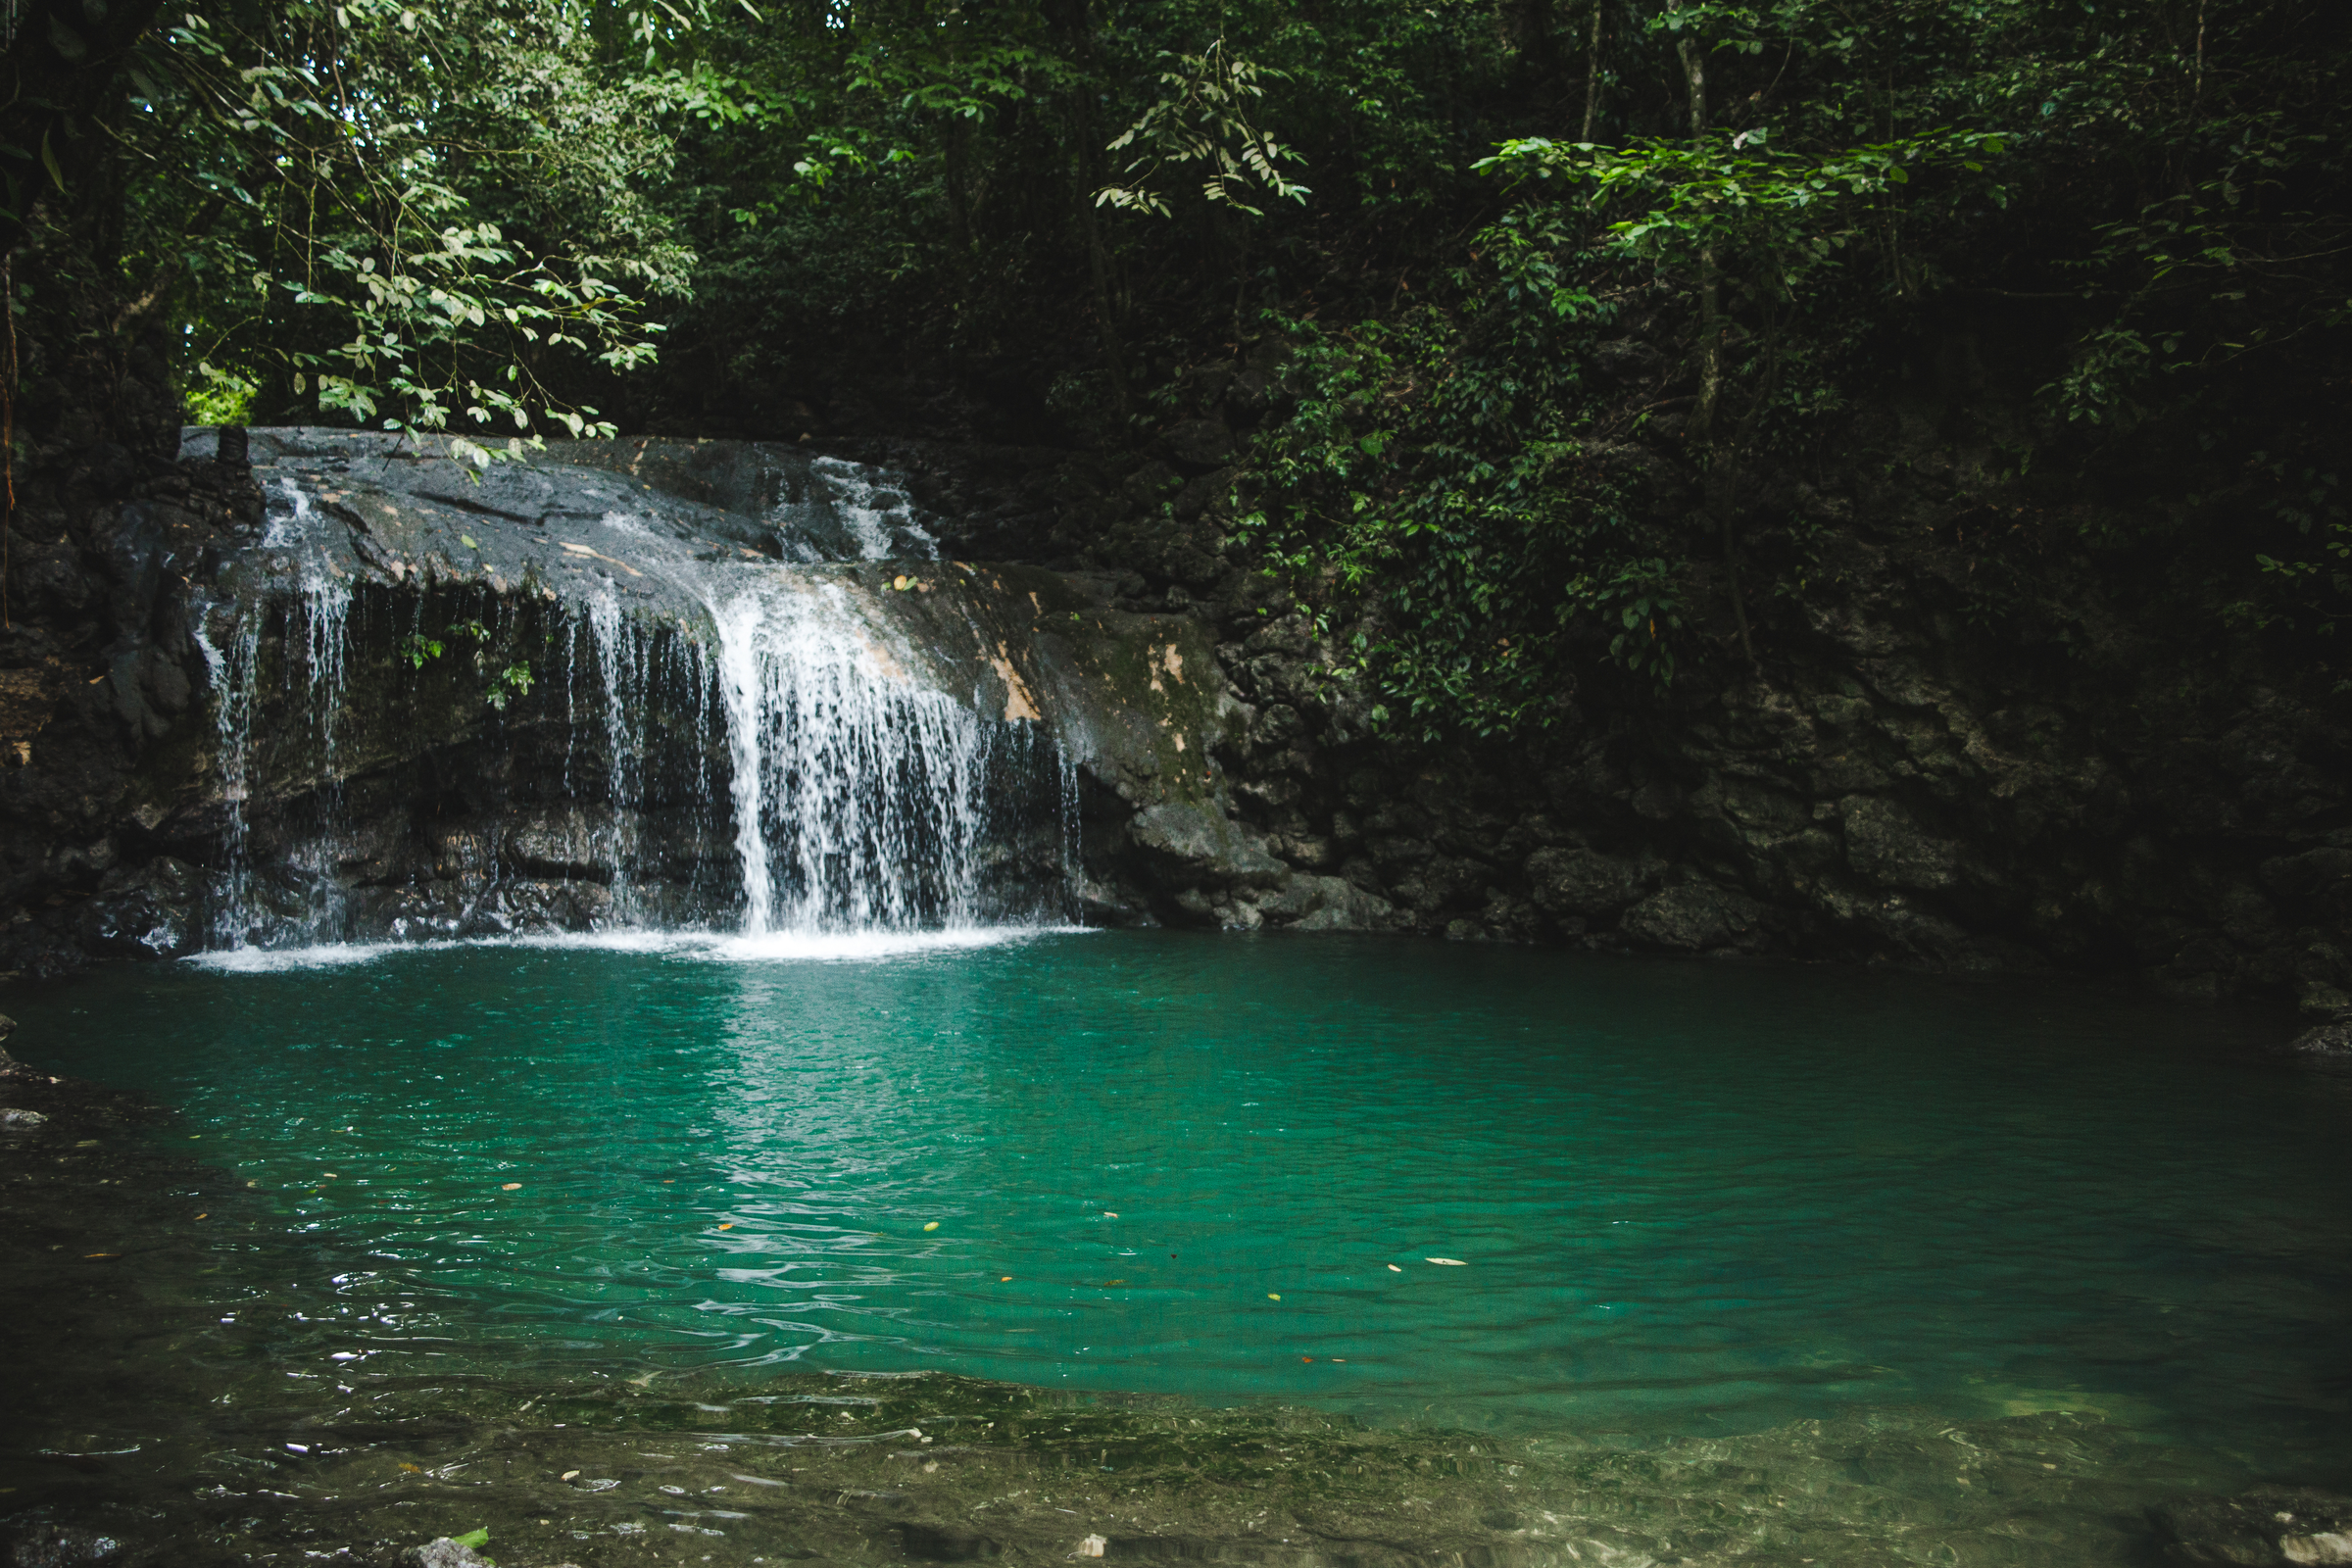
1200	443
1196	845
1694	919
1885	845
151	911
1327	903
1572	880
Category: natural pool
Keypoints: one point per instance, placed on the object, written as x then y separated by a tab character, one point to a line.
1921	1269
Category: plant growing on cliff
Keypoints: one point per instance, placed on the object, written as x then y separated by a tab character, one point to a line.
507	681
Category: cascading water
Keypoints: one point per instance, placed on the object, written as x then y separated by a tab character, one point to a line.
860	800
690	730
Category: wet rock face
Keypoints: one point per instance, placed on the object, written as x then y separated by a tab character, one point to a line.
1892	792
1896	816
370	693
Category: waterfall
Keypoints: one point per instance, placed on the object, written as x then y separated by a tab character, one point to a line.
860	799
232	673
705	734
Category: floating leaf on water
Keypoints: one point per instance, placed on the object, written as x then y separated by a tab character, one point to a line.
934	1225
729	1226
204	1216
466	540
1005	1280
1306	1359
569	1475
1271	1297
474	1540
412	1469
507	1187
1449	1263
1393	1269
1107	1214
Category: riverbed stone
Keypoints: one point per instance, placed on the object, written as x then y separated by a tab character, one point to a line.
2258	1528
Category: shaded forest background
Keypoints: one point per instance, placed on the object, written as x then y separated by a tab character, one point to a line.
1456	254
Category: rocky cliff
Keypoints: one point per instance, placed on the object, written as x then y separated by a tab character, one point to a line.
1891	785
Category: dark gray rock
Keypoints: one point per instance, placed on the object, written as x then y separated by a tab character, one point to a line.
1572	880
151	911
1884	845
1695	917
61	1547
1623	360
1195	846
2328	1040
1199	443
2268	1525
1326	904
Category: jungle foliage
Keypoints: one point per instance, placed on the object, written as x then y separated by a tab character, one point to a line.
1507	243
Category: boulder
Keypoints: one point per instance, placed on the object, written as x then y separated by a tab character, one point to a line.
1694	919
1572	880
1200	443
1192	845
150	912
1884	845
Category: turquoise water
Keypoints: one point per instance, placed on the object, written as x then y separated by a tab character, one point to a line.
1683	1197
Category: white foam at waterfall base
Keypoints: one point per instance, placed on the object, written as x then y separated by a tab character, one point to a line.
709	947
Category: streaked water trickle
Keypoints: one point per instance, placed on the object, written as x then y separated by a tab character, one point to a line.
858	791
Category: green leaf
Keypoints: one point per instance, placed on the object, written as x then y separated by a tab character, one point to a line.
474	1540
68	43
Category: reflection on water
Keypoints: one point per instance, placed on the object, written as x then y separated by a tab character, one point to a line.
1688	1204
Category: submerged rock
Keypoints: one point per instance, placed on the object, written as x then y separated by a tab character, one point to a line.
2269	1525
62	1546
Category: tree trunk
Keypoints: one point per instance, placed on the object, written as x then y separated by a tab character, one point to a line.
1593	73
1718	457
1075	20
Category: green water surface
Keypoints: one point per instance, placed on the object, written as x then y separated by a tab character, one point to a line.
1683	1197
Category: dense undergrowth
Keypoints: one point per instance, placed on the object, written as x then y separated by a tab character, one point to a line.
1578	302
